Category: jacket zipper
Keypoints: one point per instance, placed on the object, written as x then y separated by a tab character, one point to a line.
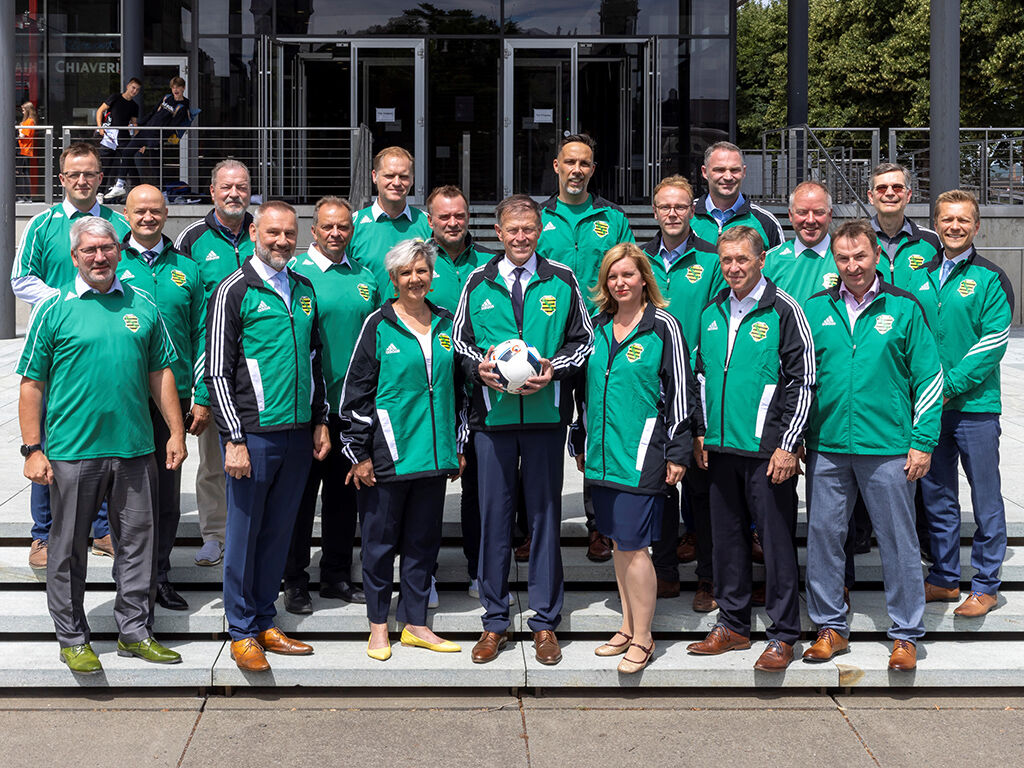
295	350
430	394
725	369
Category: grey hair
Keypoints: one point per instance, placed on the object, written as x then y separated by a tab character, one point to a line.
810	185
272	205
227	163
91	225
726	145
889	168
406	252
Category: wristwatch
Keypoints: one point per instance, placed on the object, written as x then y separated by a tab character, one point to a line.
28	450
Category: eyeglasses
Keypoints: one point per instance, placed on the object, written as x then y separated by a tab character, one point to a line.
76	175
896	188
671	208
514	231
108	250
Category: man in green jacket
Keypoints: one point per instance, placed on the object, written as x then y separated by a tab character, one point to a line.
906	247
970	301
869	338
804	265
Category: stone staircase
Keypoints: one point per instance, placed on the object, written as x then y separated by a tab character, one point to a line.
956	652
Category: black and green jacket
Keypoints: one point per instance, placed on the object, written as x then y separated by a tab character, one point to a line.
705	226
879	389
915	251
555	321
215	255
759	397
451	274
263	359
410	425
634	406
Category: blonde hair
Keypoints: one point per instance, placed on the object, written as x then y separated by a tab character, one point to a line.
675	180
603	297
952	196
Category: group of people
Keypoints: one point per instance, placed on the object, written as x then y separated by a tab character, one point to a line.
361	371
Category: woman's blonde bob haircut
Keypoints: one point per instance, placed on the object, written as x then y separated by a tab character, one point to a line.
603	297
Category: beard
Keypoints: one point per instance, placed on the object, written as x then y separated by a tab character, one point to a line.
271	258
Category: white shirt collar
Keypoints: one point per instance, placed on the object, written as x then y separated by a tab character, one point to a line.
265	271
70	210
821	248
141	249
754	296
957	259
322	262
850	299
505	267
82	287
376	211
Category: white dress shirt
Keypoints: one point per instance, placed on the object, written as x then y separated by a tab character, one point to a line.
740	308
376	211
505	267
278	280
854	308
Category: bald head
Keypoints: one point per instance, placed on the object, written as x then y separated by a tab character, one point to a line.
147	214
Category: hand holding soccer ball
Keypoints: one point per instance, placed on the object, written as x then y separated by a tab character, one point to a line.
510	365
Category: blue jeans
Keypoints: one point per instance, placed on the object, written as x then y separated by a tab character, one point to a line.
833	480
973	438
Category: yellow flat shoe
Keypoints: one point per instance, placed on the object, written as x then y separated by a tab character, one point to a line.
380	654
446	646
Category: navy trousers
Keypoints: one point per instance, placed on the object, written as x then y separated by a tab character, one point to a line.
537	454
261	516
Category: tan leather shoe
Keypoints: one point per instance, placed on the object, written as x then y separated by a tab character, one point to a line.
599	550
829	643
668	588
103	546
904	655
704	597
719	640
546	645
776	657
489	646
248	655
976	604
686	550
276	641
522	552
614	649
934	594
37	555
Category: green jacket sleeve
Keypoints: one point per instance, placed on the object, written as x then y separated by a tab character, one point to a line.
197	317
925	383
982	358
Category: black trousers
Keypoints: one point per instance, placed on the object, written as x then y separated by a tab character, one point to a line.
168	491
741	493
663	552
113	161
338	515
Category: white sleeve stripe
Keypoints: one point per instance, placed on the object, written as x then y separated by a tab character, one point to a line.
803	405
33	325
583	352
680	406
184	232
460	321
217	352
20	268
348	368
991	341
929	397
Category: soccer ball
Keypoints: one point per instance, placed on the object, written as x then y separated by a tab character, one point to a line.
515	362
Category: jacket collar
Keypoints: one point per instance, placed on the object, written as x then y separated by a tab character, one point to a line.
165	244
243	234
702	208
388	311
597	203
544	268
767	298
646	320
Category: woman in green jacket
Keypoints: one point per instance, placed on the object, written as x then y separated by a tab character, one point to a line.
633	440
399	430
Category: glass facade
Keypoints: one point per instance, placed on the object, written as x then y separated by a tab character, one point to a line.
499	81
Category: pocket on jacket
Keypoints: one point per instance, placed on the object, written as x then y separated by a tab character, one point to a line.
645	441
389	433
257	382
762	409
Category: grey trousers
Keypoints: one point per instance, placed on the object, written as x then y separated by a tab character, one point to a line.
211	494
78	489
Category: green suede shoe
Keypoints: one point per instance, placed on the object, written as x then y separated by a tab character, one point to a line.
81	659
149	650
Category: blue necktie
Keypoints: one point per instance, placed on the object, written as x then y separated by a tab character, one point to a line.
947	267
517	296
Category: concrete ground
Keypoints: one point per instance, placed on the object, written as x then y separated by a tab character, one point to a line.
564	729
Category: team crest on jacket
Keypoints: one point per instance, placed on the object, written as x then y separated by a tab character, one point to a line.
548	304
758	331
601	228
830	280
694	273
178	277
966	288
445	341
307	304
916	261
634	351
883	324
364	291
131	322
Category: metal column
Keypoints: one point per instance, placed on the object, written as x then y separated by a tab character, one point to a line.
131	42
796	111
7	224
944	146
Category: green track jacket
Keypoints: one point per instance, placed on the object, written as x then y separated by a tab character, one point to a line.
915	251
450	275
705	226
216	256
391	411
799	275
759	397
634	407
880	387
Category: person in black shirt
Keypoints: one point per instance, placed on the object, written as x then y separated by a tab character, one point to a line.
144	150
117	111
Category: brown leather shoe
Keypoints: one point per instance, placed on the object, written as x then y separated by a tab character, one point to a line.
704	598
668	588
522	552
489	646
600	548
248	655
719	640
934	594
976	604
829	643
37	555
687	549
756	550
103	546
775	658
904	655
276	641
546	645
757	595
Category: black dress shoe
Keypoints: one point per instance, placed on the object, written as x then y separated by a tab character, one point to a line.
342	590
297	600
168	597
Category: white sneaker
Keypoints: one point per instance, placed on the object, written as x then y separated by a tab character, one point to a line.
474	589
116	192
432	600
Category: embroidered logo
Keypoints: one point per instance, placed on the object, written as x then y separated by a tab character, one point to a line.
212	256
916	260
829	321
178	278
758	331
830	280
131	322
307	263
445	341
486	305
601	228
127	275
364	291
713	326
391	350
634	351
548	227
884	323
548	305
925	287
435	273
263	307
694	273
366	219
966	288
307	304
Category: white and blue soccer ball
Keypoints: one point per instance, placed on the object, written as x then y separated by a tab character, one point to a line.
515	361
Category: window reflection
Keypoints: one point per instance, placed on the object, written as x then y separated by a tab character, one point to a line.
398	17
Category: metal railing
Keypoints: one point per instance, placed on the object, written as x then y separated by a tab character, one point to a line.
295	164
34	173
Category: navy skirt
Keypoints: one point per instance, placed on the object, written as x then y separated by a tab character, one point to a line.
631	520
